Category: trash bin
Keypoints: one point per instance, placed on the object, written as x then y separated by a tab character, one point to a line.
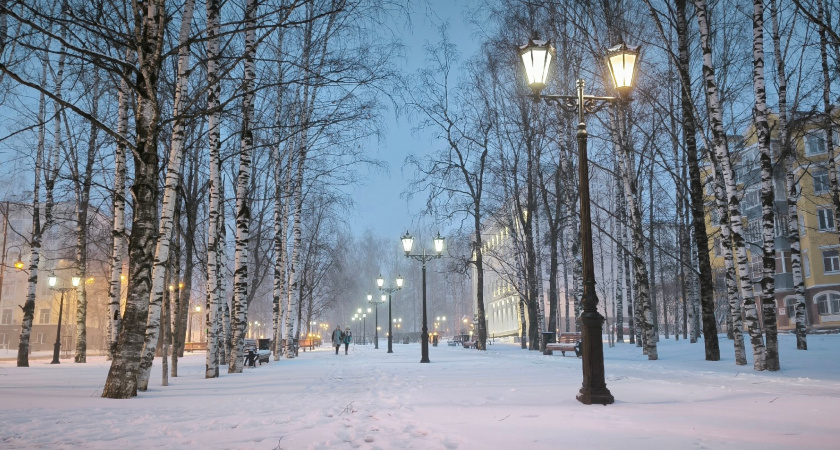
547	337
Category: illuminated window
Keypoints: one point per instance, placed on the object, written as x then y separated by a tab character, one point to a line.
44	315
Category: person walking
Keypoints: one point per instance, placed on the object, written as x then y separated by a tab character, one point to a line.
337	337
348	336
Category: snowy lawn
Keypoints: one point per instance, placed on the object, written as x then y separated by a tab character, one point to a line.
505	398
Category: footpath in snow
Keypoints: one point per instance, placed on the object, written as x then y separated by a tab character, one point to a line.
504	398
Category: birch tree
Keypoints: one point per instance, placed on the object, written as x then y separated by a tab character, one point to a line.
721	150
243	211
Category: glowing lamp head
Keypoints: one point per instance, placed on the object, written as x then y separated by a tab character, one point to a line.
438	244
399	281
369	296
622	61
380	281
407	243
536	56
75	281
52	280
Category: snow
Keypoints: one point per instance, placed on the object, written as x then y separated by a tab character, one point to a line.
505	398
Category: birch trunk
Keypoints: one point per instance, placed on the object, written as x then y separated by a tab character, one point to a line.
243	181
721	149
729	266
762	129
125	367
118	229
214	137
83	184
701	238
170	194
643	303
35	243
789	158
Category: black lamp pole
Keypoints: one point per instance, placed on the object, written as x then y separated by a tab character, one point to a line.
57	345
375	304
408	242
380	282
621	60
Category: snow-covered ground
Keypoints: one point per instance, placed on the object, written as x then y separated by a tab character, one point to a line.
505	398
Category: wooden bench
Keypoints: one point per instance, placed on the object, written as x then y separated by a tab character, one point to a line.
566	342
195	346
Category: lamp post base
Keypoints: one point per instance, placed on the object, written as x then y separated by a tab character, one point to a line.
56	351
594	389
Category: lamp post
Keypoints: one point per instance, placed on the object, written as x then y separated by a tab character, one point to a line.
621	60
52	281
364	328
407	243
380	283
375	304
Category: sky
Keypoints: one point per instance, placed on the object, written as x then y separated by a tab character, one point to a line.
380	207
502	398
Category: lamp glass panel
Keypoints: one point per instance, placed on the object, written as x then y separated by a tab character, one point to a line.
439	244
380	281
52	280
536	60
622	66
75	281
407	242
399	282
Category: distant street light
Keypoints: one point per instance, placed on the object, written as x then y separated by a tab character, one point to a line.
621	60
408	243
75	281
380	283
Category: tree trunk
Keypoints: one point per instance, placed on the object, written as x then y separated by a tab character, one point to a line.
124	371
243	211
118	229
762	128
83	183
701	237
721	149
788	156
214	141
170	194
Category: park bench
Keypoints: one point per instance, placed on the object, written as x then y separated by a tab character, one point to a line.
566	342
195	346
253	354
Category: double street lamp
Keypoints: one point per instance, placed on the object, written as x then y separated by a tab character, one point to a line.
621	60
52	281
380	283
407	243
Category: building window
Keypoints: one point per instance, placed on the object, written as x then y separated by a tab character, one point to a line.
828	302
3	342
757	265
39	338
790	308
820	181
753	233
780	225
6	318
802	229
815	143
825	219
44	315
831	261
806	265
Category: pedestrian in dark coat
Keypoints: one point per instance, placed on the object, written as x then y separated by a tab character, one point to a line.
337	338
348	336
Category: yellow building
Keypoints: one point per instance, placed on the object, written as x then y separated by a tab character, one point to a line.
819	239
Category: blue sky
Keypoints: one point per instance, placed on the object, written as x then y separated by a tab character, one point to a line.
380	206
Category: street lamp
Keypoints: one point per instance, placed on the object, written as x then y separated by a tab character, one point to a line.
376	304
407	243
52	281
380	283
621	60
364	328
